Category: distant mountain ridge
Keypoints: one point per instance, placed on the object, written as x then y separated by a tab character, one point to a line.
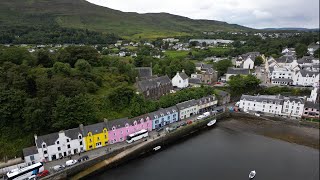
291	29
84	15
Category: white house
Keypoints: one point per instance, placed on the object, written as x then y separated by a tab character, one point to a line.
282	76
188	108
263	103
314	95
62	144
31	155
236	71
293	107
306	78
248	63
207	104
180	80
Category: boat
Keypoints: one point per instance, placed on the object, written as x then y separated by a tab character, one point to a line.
252	174
157	148
212	122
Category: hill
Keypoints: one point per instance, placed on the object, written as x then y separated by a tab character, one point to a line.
81	14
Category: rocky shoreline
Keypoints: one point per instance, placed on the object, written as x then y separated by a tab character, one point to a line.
295	132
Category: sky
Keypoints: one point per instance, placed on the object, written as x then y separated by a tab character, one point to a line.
250	13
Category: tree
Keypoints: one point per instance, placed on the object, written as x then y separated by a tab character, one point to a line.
242	84
317	53
83	66
15	55
72	53
222	66
258	61
301	50
43	58
62	68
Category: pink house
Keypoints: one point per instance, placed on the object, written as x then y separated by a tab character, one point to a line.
311	110
119	129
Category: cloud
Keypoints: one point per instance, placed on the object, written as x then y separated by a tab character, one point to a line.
252	13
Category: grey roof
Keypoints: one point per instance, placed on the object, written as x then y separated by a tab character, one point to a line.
304	73
238	71
261	98
206	99
145	116
94	128
49	139
286	59
158	113
223	93
206	66
186	104
73	133
271	69
118	123
153	82
194	81
294	99
30	151
144	71
183	75
282	80
305	59
312	105
209	71
314	46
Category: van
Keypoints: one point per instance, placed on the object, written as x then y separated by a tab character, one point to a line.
206	114
200	117
71	162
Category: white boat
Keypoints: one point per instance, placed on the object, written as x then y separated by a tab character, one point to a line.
252	174
212	122
157	148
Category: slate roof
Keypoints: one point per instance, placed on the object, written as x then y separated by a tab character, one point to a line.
194	81
73	133
294	99
94	128
312	105
310	73
118	123
282	80
314	46
238	71
183	75
153	82
138	118
30	151
158	113
206	99
144	72
186	104
286	59
305	59
261	98
49	139
204	66
223	93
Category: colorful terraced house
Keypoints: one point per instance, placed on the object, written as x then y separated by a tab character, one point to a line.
95	135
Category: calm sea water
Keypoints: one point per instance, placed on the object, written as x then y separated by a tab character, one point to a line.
219	154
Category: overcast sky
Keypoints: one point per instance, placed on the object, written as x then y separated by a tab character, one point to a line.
251	13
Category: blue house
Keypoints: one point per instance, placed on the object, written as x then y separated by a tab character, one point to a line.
164	117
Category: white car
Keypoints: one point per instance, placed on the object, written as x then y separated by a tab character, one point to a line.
257	114
71	162
200	117
33	177
58	167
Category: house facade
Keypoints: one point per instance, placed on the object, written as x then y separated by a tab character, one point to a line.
293	107
119	129
236	71
248	63
95	135
223	98
207	104
188	108
263	103
311	110
154	88
180	80
306	78
163	117
31	155
57	145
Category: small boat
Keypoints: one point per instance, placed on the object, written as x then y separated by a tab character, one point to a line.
157	148
252	174
212	122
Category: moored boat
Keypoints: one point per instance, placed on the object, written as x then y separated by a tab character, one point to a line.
212	122
252	174
157	148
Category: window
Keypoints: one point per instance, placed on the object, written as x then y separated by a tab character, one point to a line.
105	131
57	142
59	148
121	132
68	145
80	143
113	128
90	140
254	104
44	145
45	152
127	130
80	137
98	138
105	136
114	134
68	140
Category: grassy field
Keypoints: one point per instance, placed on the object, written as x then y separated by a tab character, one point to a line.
176	54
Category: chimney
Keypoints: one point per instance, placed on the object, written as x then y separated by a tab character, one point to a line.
105	120
35	136
81	127
183	70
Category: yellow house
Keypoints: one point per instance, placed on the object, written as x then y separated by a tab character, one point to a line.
95	135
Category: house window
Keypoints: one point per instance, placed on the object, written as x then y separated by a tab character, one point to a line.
127	130
45	152
90	140
105	136
113	128
68	140
80	143
59	148
43	145
68	145
98	138
114	134
80	137
57	142
105	131
121	132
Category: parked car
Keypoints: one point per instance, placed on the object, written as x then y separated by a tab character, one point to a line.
200	117
159	129
58	167
206	114
43	173
214	112
183	124
83	158
33	177
189	122
71	162
257	114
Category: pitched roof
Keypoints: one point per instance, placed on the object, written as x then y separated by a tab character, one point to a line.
171	110
311	105
282	80
49	139
238	71
286	59
223	93
304	73
73	133
206	99
186	104
144	72
30	151
294	99
153	83
94	128
118	123
305	59
194	81
183	75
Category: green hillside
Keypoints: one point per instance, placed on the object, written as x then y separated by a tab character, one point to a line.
84	15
